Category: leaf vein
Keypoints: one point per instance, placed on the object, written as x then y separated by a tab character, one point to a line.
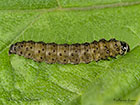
86	8
21	32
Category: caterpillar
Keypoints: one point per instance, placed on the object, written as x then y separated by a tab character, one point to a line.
70	53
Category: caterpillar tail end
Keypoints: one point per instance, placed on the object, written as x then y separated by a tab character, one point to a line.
11	50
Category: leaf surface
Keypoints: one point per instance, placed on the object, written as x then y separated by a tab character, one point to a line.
23	81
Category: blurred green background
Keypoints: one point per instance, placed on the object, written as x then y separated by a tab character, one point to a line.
25	82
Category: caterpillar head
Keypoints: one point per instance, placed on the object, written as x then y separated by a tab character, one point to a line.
125	47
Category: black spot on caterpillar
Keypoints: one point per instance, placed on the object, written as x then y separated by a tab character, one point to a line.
74	53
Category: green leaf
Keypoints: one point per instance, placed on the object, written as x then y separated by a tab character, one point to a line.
27	4
121	78
23	81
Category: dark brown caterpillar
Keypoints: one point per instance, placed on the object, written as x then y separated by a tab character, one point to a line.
65	53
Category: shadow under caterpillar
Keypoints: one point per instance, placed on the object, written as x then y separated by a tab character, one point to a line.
66	53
